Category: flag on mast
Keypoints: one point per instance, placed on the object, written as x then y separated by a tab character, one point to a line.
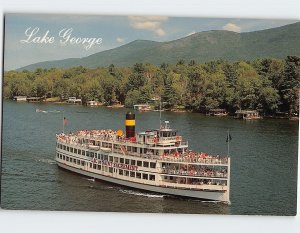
229	138
66	121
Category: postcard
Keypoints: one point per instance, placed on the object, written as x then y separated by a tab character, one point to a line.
150	114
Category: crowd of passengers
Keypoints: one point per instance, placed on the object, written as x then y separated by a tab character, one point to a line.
192	170
195	157
103	134
181	180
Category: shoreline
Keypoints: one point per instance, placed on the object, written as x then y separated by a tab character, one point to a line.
292	118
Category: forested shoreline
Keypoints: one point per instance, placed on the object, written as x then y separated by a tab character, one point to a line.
267	85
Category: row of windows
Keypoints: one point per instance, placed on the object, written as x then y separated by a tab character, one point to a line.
138	175
108	158
69	159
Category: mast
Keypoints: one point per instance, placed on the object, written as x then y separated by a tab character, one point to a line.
228	141
159	112
63	121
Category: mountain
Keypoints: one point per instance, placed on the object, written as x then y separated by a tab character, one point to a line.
201	47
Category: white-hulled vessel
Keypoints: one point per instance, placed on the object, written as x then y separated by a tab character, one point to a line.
155	160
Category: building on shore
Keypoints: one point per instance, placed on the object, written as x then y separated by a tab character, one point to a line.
93	103
20	98
217	112
74	100
142	107
247	114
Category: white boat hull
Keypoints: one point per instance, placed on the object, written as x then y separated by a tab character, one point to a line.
206	195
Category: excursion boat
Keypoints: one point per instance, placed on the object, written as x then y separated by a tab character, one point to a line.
155	160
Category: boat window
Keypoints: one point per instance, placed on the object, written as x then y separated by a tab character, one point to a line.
116	159
146	164
67	158
99	156
57	155
71	149
145	176
79	152
64	147
74	161
121	160
64	157
71	160
68	149
132	162
110	169
128	148
111	158
78	161
126	173
139	163
99	167
83	152
92	154
105	157
87	153
82	163
94	166
126	161
138	175
60	156
75	151
120	172
132	174
152	165
151	177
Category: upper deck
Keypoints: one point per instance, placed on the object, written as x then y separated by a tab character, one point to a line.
164	144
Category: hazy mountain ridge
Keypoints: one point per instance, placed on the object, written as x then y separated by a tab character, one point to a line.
201	47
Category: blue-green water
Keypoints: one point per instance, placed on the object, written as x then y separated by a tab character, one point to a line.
263	172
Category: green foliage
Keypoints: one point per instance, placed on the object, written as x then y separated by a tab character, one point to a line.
268	85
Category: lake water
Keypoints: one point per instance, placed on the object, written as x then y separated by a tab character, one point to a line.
263	158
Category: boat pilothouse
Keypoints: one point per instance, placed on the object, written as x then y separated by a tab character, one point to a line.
155	160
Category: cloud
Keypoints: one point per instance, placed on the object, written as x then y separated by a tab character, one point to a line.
150	23
120	39
191	33
232	27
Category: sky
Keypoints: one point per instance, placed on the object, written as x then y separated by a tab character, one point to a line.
24	43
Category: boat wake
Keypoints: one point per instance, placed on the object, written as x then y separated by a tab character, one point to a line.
49	161
141	194
91	179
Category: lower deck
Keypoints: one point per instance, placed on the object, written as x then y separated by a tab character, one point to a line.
145	173
199	194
